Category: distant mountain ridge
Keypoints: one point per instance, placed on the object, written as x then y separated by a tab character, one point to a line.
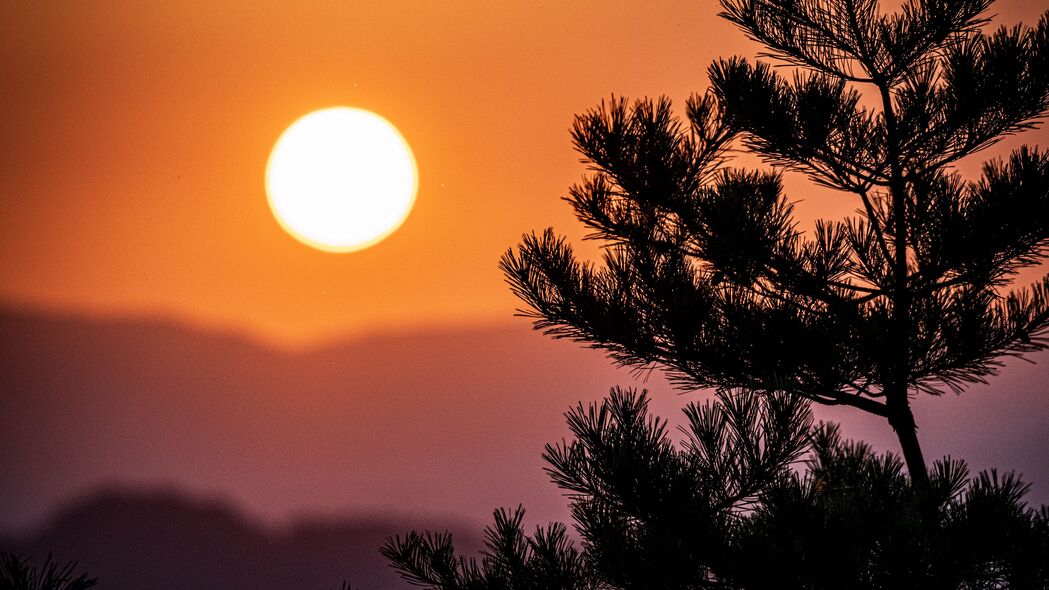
441	422
161	538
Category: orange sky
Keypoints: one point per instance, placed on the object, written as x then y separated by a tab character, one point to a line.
136	136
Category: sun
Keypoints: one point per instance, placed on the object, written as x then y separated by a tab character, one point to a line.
341	179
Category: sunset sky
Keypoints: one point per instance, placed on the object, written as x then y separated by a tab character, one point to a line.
137	133
136	136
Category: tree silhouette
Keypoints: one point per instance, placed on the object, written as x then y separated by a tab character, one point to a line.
511	559
649	513
705	271
726	510
707	276
16	573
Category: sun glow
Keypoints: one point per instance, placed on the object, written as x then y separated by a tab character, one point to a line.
341	179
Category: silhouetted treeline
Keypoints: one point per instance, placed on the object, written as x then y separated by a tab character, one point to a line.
728	509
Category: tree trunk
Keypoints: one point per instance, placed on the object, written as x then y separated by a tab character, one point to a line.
898	404
902	421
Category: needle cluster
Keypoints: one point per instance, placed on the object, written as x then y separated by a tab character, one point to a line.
705	275
705	271
730	507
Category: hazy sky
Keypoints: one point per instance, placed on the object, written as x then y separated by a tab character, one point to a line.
135	141
136	136
138	132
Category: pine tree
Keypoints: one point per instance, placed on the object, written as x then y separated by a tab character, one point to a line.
707	277
652	515
705	270
728	508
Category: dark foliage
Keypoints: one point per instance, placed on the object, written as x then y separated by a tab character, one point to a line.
731	508
16	573
706	275
511	559
705	272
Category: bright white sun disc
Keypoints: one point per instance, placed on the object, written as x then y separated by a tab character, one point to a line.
341	179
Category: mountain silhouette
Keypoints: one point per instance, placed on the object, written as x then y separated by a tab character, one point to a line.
436	423
161	538
433	423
